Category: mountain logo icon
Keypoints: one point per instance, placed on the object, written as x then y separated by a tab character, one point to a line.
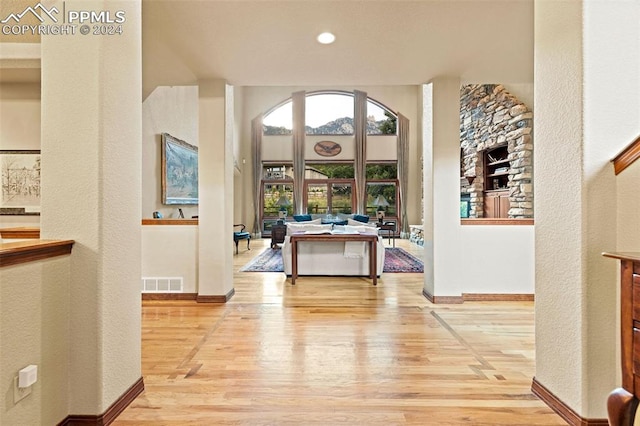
36	11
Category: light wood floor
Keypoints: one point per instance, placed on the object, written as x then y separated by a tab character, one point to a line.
333	351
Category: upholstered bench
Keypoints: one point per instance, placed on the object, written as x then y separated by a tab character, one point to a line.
241	235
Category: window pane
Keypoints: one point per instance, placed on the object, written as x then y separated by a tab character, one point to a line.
382	171
341	198
330	171
379	120
381	195
277	196
279	121
277	171
317	198
329	114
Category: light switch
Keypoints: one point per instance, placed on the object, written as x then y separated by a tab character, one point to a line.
28	376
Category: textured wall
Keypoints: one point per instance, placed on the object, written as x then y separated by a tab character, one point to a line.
34	317
91	148
172	110
559	194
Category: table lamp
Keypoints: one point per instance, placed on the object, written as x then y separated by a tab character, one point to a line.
382	204
283	202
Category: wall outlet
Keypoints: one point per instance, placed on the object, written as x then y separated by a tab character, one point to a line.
18	392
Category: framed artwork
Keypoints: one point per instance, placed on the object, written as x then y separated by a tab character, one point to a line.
179	171
20	193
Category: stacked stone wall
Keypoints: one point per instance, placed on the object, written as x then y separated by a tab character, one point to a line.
491	117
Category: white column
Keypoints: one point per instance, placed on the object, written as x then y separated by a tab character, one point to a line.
91	144
215	175
587	61
441	156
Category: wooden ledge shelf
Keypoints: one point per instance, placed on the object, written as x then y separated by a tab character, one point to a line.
21	233
496	221
169	221
30	251
626	158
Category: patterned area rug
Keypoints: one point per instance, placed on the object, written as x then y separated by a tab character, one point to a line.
395	260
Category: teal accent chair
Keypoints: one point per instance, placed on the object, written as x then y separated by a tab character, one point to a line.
241	235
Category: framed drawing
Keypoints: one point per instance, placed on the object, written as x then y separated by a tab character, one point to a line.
179	171
20	193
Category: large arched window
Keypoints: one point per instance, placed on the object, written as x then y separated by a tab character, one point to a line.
329	113
329	183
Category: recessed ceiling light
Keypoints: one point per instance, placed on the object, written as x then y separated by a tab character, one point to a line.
326	38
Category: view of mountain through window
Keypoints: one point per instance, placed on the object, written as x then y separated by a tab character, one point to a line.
329	114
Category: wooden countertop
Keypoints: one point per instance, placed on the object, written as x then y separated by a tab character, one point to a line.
23	232
169	221
629	255
32	250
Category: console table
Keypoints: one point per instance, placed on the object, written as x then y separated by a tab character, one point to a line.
623	402
372	239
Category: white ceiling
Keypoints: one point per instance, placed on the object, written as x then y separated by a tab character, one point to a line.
379	42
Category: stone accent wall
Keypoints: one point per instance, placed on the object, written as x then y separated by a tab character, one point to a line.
491	117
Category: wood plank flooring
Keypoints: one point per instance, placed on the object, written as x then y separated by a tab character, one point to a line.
336	351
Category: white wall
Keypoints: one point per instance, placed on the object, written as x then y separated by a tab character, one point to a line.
19	129
171	251
465	258
610	74
628	206
91	173
581	123
559	222
491	259
172	110
34	317
524	92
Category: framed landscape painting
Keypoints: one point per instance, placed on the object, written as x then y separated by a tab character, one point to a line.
20	174
179	171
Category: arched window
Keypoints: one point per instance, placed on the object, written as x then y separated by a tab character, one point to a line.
329	181
279	121
329	113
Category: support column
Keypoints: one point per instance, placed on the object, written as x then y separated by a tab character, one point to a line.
441	156
215	175
91	189
581	124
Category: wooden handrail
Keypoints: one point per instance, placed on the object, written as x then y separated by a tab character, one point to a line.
626	158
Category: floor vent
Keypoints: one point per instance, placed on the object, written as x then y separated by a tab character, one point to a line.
162	284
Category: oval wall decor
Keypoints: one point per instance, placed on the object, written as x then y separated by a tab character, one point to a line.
327	148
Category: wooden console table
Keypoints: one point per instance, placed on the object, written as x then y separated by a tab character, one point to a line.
623	402
372	239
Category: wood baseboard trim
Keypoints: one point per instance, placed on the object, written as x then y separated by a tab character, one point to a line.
562	409
112	412
216	299
169	296
442	300
497	297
